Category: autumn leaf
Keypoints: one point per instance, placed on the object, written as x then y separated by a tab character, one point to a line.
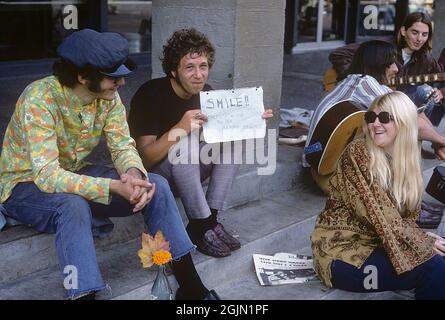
160	242
154	246
146	258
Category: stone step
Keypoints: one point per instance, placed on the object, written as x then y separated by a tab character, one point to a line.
280	220
240	264
245	286
20	243
28	251
249	288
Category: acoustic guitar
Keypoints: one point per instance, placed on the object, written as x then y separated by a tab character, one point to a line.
330	79
417	79
341	124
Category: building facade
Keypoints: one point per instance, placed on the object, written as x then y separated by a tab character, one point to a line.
327	24
32	30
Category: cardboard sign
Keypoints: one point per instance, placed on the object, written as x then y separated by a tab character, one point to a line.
233	114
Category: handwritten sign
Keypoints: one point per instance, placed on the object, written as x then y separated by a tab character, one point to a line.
233	114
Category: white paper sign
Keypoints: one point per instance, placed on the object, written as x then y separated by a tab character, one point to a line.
233	114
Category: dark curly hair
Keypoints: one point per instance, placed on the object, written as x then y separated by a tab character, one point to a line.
183	42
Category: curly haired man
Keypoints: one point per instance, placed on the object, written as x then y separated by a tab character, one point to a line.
170	104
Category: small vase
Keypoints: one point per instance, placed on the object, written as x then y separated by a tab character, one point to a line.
161	289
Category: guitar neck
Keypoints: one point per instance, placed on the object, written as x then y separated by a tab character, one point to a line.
421	78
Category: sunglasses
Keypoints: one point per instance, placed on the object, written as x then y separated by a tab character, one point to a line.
384	117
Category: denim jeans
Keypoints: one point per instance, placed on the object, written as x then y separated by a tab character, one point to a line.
419	95
69	216
428	279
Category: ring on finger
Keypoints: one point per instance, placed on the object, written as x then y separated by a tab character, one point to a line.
197	115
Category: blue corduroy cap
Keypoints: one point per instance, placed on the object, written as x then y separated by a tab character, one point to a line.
106	52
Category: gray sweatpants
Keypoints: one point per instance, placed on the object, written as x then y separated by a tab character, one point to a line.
186	168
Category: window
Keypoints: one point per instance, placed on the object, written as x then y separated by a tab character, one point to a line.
334	19
425	6
307	20
36	28
377	18
132	19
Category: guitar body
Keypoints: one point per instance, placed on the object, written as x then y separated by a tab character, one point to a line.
341	124
321	181
329	80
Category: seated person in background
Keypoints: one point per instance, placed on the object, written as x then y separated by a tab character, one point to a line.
162	106
372	67
414	44
46	183
370	213
341	59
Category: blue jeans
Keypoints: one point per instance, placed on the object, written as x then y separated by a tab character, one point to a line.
69	216
419	95
428	279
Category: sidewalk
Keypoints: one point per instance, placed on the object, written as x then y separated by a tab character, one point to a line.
273	214
303	79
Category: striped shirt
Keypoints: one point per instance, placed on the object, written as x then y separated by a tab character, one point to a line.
52	132
356	87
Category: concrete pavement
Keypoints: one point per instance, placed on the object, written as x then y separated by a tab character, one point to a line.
270	214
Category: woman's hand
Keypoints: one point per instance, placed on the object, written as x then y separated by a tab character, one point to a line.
439	150
439	244
437	96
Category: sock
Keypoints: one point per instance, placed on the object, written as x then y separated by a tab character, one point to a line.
90	296
188	279
213	216
200	226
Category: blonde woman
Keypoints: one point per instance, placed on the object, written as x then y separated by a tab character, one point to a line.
368	225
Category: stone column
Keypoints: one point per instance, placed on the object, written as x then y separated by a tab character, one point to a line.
248	36
439	28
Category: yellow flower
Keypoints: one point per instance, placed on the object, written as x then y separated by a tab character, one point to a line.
161	257
155	250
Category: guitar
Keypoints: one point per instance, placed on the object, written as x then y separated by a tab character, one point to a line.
329	79
421	78
341	124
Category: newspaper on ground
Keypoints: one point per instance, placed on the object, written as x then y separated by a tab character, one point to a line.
283	268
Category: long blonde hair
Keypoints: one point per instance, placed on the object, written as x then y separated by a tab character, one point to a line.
400	173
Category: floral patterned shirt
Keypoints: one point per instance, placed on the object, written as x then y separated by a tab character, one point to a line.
360	216
51	133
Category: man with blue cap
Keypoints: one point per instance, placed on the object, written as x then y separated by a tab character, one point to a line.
46	183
